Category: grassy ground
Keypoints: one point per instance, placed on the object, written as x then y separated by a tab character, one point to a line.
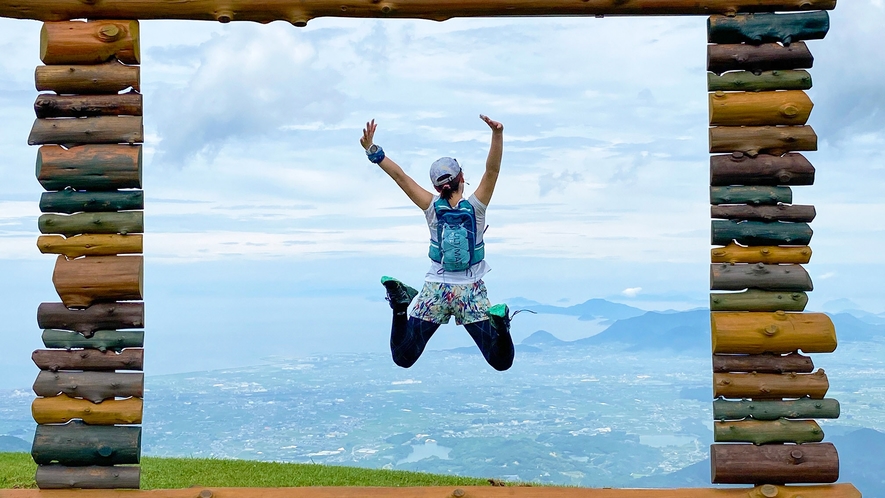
17	471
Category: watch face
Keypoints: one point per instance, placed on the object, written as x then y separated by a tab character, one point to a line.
373	149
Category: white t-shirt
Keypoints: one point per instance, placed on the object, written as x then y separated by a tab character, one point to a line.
475	272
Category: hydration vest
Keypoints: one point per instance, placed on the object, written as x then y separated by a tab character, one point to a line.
455	247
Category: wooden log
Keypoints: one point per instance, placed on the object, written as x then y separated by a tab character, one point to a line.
757	58
91	223
91	42
93	477
102	340
751	195
758	300
99	316
747	81
733	253
71	201
93	386
760	233
773	410
78	444
780	212
89	167
111	77
770	386
778	332
767	431
788	278
78	106
764	169
83	281
762	363
91	245
787	463
768	27
88	359
789	107
62	409
754	140
96	130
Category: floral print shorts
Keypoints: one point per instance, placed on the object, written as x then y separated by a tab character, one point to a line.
438	302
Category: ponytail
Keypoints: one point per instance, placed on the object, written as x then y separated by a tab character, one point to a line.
447	190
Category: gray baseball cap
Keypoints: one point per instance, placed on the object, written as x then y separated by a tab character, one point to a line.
444	170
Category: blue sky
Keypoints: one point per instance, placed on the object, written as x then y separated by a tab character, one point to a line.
267	230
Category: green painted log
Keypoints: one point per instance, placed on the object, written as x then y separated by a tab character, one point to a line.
93	477
102	340
758	300
760	233
94	386
768	27
77	444
76	224
90	167
70	201
790	278
767	431
765	57
99	316
747	81
773	410
751	195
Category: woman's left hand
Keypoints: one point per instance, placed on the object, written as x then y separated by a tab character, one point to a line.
494	125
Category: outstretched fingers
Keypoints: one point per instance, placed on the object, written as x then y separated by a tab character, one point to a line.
368	134
494	125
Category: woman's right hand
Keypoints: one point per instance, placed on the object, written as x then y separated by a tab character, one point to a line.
368	135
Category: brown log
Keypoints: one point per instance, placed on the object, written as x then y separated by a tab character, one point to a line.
81	282
88	359
100	316
739	169
93	477
89	167
92	42
96	130
78	106
93	386
62	409
738	332
734	253
781	212
778	463
759	276
755	140
790	107
91	245
762	363
770	386
757	58
111	77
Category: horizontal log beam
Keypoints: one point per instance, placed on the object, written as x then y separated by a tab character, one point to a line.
758	386
768	431
78	106
99	316
88	359
748	81
91	223
78	444
102	340
734	253
754	140
111	77
768	27
778	332
89	167
783	463
96	130
790	107
91	42
62	409
780	212
92	386
773	410
757	58
83	281
758	300
70	201
762	363
759	276
91	245
759	233
93	477
755	196
764	169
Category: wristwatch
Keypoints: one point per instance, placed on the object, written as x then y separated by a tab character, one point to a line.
375	154
373	149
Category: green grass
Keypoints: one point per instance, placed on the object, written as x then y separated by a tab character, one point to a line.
17	471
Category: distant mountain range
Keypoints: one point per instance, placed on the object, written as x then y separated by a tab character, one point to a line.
592	309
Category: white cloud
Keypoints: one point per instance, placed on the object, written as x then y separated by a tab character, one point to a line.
631	291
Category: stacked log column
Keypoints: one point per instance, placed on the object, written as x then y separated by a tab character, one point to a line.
90	387
767	391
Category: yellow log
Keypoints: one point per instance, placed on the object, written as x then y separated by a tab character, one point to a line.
62	409
791	107
778	332
770	386
91	245
734	253
92	42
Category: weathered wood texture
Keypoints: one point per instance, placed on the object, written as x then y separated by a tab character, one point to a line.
780	212
99	316
89	167
779	332
759	276
93	477
768	431
773	410
91	42
766	57
762	363
88	359
93	386
89	223
747	81
78	444
70	201
764	169
770	386
111	77
754	140
755	196
733	253
768	27
758	300
95	130
789	107
83	281
787	463
760	233
77	106
91	245
102	340
62	409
